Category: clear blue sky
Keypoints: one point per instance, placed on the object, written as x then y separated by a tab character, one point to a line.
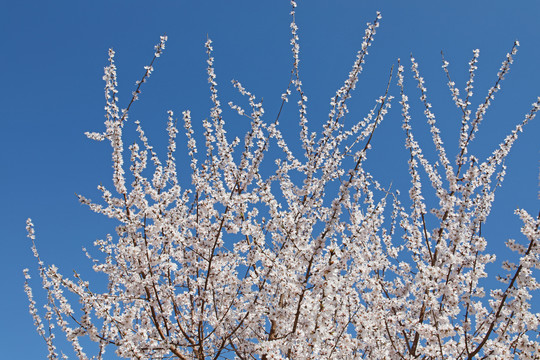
53	54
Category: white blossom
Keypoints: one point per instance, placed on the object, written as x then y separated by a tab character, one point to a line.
297	257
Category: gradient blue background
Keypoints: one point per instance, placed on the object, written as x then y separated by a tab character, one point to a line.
52	59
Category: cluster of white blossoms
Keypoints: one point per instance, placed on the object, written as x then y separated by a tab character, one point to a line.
316	260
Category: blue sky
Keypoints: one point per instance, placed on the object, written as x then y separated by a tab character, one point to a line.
53	54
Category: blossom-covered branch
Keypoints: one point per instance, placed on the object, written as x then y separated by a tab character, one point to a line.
308	257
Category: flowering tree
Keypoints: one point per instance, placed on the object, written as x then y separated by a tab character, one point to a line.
316	260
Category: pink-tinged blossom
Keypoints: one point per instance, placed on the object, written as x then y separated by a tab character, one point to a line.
304	257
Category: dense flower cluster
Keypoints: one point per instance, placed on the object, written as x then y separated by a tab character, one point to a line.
331	266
